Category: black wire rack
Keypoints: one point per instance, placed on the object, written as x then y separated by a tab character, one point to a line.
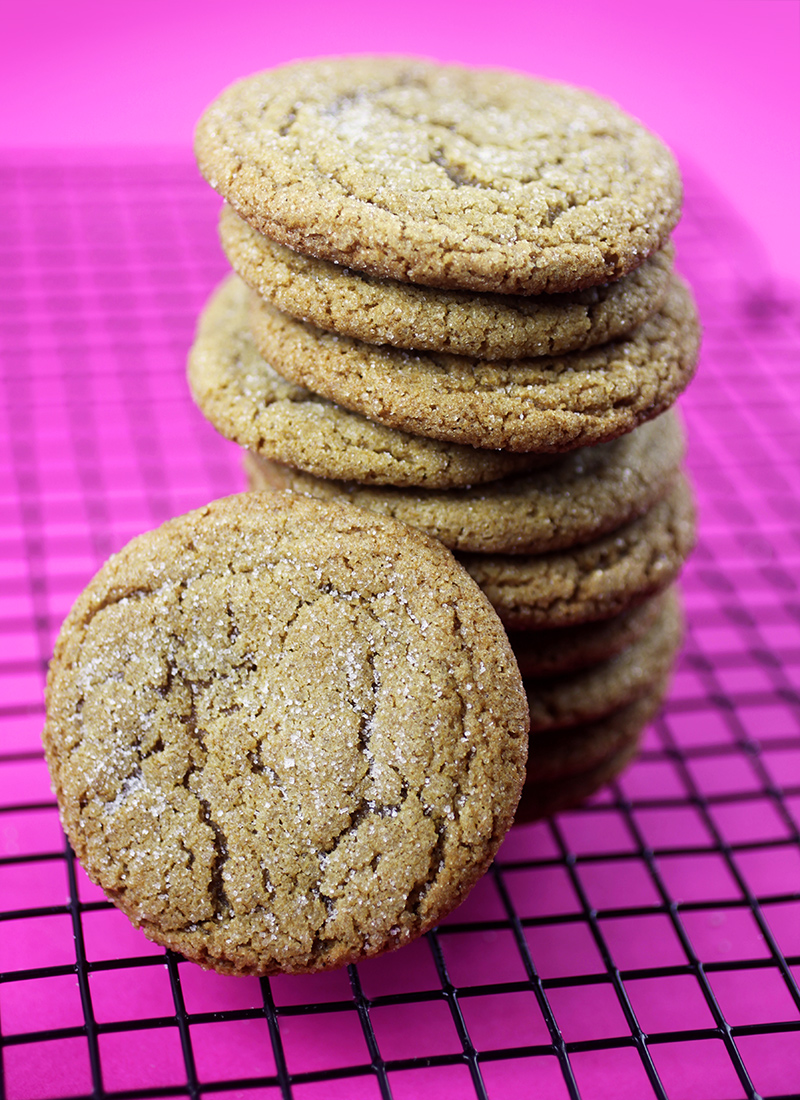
644	944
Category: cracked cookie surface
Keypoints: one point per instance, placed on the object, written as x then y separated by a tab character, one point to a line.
272	746
441	175
549	403
490	326
249	403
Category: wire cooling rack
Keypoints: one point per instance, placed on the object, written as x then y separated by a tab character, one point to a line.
645	944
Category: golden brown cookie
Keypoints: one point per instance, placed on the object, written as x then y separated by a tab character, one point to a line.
250	404
556	702
445	176
595	581
284	735
489	326
570	648
550	403
579	497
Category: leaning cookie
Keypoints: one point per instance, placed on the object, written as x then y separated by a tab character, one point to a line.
548	403
476	179
596	581
489	326
284	735
245	400
577	498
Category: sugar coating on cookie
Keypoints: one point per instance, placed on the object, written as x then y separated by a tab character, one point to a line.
585	696
284	735
595	581
441	175
490	326
550	652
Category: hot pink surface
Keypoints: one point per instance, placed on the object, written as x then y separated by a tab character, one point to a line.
651	934
718	79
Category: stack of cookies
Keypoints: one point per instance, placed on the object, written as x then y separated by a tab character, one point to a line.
454	304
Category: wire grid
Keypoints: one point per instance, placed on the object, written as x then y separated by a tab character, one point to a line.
644	944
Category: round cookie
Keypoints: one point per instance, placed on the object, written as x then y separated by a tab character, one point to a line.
441	175
592	693
245	400
560	649
489	326
579	497
595	581
550	403
284	735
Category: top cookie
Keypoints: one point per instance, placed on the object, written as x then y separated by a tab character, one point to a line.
284	735
440	175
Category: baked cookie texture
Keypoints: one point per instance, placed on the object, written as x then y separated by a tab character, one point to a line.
238	805
579	497
249	403
487	326
441	175
567	766
288	731
548	403
595	581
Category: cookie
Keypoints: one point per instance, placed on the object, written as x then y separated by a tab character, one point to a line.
562	754
543	799
475	179
574	697
488	326
550	403
570	648
595	581
284	735
581	496
250	404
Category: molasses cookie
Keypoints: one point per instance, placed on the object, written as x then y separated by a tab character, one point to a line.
569	648
488	326
595	581
594	692
245	400
615	740
284	735
475	179
549	403
579	497
560	754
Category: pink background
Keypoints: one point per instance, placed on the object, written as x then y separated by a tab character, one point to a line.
718	79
